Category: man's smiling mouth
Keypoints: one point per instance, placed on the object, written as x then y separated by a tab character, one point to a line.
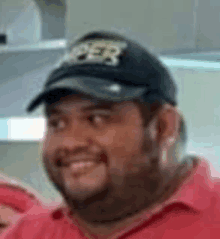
81	164
80	168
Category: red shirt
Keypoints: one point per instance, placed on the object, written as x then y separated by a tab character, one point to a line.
192	213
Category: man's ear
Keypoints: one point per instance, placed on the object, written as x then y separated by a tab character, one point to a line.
168	125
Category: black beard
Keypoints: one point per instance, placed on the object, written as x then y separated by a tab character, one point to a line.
139	192
107	204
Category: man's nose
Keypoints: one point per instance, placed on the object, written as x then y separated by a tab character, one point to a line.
77	136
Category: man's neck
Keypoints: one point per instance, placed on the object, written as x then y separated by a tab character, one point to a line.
114	230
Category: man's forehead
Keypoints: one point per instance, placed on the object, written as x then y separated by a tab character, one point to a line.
84	102
79	101
73	99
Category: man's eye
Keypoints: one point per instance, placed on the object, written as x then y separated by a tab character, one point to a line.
98	120
57	124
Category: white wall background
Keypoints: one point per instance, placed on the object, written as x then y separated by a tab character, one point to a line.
199	100
21	21
22	160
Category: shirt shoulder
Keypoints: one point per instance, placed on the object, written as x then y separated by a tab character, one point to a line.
203	193
43	223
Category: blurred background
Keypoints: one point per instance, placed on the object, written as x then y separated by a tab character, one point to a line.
34	34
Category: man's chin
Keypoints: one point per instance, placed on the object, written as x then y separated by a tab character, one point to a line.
83	186
85	200
80	196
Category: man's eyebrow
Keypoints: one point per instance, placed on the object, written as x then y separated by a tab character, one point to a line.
52	111
108	107
55	111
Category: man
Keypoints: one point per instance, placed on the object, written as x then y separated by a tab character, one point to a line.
114	148
15	201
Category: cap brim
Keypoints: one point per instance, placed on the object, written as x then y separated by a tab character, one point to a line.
95	87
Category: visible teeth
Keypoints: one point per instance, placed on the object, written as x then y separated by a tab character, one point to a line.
80	166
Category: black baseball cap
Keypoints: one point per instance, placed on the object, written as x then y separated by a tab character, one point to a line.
110	67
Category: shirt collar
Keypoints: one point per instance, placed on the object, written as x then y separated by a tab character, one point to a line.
194	191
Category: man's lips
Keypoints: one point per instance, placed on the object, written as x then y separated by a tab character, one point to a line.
80	160
81	164
69	161
78	168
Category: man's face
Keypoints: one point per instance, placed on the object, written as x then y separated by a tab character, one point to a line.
95	154
8	216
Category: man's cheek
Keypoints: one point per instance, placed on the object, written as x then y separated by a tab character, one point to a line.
107	138
132	139
113	137
50	144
